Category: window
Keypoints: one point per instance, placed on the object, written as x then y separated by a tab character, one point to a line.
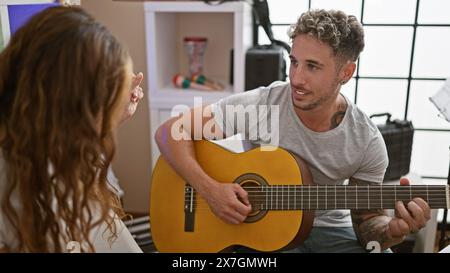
405	61
3	26
1	36
13	14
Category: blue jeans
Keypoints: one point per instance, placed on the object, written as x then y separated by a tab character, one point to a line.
331	240
327	240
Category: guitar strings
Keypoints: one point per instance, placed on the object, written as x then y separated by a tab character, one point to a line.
330	196
327	196
274	208
269	208
344	188
350	204
269	196
259	198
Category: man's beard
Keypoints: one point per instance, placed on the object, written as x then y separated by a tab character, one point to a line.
320	101
314	104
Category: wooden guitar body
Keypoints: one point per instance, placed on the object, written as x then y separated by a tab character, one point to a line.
181	220
280	190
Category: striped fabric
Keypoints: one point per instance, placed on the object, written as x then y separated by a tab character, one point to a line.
140	230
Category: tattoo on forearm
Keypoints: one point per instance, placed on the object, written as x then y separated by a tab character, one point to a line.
372	225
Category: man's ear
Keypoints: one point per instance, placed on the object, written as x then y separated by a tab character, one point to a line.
347	71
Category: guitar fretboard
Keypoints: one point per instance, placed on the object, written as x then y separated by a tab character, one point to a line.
329	197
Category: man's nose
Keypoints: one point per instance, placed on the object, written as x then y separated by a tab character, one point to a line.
298	76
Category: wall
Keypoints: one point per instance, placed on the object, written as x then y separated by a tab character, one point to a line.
132	163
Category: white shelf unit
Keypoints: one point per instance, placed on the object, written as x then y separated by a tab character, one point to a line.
227	26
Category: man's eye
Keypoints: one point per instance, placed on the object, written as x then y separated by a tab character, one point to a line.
312	67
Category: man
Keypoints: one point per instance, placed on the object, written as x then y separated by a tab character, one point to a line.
316	122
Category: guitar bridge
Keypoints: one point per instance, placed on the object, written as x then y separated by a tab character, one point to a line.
189	208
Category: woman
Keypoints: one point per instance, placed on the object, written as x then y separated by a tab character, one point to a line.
65	86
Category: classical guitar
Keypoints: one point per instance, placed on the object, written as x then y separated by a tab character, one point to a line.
282	195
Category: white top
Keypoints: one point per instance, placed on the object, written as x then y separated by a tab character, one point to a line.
99	235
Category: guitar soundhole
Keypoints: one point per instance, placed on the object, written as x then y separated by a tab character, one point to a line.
253	183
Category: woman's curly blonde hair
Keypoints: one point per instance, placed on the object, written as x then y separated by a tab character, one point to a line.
342	32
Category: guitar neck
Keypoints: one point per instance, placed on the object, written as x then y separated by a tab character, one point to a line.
329	197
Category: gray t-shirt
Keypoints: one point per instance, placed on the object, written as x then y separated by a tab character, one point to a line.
355	148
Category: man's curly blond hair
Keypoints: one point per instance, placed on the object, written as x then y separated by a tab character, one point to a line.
342	32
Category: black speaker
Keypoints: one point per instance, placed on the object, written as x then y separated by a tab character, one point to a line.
264	64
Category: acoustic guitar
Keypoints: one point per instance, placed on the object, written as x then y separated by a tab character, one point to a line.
280	190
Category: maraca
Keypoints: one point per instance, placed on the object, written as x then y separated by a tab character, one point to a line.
205	81
182	82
